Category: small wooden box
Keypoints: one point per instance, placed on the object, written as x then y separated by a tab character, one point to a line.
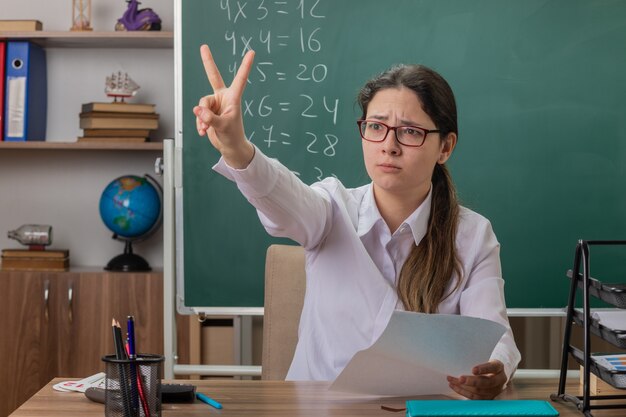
598	387
35	260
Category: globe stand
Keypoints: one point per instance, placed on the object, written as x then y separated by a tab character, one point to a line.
128	261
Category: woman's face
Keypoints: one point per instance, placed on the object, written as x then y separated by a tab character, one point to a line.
395	168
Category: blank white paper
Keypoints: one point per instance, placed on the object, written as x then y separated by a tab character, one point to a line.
416	352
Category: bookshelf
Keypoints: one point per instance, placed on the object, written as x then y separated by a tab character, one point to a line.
60	179
102	39
59	182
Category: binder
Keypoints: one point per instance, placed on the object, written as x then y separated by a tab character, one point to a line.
25	92
2	60
450	408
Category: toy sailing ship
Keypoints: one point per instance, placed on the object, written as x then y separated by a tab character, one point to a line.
120	86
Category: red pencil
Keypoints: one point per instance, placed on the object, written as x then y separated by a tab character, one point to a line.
142	397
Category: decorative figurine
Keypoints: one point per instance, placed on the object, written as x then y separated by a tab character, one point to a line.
135	19
81	15
120	86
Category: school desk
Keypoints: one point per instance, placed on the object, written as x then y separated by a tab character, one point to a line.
276	399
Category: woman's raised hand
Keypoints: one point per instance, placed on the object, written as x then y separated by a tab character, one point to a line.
218	115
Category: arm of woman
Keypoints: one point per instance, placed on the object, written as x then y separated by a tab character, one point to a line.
483	297
286	206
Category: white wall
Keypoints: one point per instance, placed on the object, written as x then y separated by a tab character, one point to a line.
62	188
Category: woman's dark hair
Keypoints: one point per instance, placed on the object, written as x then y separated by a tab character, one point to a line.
432	89
431	264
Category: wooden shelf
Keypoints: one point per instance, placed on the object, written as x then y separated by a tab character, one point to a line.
60	39
86	270
83	146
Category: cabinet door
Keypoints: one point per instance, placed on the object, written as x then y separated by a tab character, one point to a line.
59	330
24	317
97	298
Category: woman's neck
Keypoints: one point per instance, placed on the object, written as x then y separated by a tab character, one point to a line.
395	208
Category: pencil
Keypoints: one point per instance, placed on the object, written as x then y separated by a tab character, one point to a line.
120	354
208	400
117	339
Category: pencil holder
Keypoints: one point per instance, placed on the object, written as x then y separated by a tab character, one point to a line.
133	386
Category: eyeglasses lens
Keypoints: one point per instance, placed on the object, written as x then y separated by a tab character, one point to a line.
377	132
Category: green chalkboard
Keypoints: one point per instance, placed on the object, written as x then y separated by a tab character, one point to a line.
540	87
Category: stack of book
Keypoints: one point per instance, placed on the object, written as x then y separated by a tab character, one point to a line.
35	260
117	122
20	25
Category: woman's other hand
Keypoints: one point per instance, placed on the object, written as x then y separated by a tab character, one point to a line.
485	383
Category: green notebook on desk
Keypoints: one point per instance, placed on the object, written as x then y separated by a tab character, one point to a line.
454	408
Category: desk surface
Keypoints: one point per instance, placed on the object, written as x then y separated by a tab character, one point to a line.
278	398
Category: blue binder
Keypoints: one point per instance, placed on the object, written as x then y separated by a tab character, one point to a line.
454	408
25	92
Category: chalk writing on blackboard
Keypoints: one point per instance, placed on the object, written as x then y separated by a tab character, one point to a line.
304	40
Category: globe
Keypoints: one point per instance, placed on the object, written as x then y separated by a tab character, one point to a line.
130	206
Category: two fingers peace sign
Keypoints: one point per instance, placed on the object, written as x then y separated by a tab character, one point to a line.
219	114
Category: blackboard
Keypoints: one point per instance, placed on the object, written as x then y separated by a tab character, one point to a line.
540	87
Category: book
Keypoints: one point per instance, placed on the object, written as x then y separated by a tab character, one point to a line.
117	139
116	132
25	92
87	122
2	55
118	107
27	253
118	115
20	25
35	264
450	408
35	260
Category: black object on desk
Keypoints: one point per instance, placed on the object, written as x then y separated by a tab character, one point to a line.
178	393
170	393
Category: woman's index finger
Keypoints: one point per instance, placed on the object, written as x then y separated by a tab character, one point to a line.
241	79
213	74
489	368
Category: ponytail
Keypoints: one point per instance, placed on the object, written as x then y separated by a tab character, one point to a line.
432	263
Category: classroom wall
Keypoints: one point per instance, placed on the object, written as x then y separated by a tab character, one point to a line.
62	188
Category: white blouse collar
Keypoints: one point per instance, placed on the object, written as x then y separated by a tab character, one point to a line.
369	215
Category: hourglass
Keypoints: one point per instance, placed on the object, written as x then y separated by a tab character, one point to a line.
81	15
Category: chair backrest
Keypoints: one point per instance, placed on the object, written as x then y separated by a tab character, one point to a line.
284	296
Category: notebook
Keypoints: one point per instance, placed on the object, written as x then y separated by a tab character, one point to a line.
450	408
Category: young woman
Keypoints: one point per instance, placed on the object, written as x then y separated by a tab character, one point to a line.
400	242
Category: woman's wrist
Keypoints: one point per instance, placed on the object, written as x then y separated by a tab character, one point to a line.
240	156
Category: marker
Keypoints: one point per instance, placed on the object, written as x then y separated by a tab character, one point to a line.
208	400
130	334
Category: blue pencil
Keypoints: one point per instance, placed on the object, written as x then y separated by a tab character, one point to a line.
208	400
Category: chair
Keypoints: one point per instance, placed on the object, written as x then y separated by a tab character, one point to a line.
284	296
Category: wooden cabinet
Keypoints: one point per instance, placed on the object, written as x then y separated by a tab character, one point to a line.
59	324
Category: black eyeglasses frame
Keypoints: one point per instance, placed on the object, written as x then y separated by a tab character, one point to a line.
395	128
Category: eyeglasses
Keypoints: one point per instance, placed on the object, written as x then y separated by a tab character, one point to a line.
375	131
